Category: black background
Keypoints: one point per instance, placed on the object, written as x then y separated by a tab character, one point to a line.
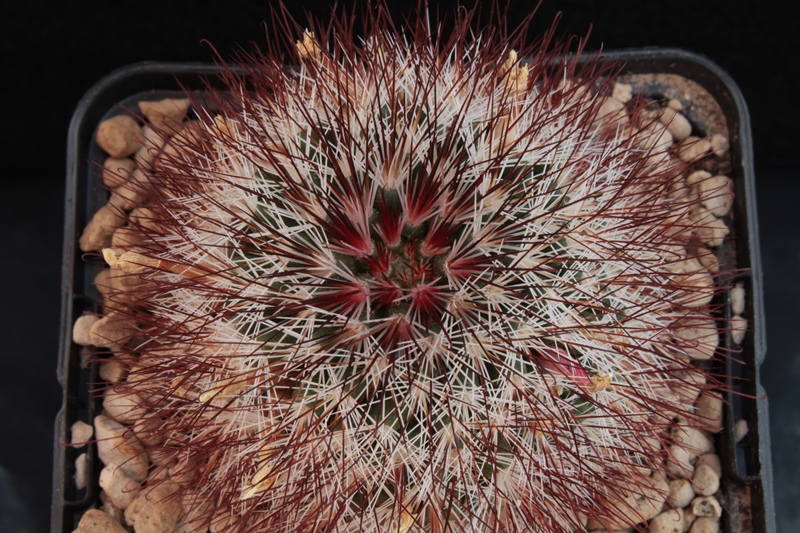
52	53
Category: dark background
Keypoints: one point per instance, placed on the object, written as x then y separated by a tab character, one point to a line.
52	53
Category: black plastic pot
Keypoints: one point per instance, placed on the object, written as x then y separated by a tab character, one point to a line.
747	468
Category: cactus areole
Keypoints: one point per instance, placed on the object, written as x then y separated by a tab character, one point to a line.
413	284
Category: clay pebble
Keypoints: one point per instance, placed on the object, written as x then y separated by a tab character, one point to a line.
96	521
119	136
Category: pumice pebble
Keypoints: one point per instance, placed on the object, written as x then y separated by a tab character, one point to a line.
693	148
705	480
81	330
681	493
693	439
709	410
623	92
705	524
676	123
740	430
679	462
706	506
738	298
712	461
719	145
716	194
670	521
738	329
80	432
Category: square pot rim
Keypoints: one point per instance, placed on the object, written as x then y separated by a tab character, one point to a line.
175	76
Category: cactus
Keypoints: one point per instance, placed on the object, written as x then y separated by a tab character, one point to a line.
414	284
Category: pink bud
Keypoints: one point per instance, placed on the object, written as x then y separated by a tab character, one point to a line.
559	361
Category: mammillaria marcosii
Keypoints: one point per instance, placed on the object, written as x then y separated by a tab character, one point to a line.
414	284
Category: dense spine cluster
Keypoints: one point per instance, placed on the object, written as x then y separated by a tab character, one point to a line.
414	285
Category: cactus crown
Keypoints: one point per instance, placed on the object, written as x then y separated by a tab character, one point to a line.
412	285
